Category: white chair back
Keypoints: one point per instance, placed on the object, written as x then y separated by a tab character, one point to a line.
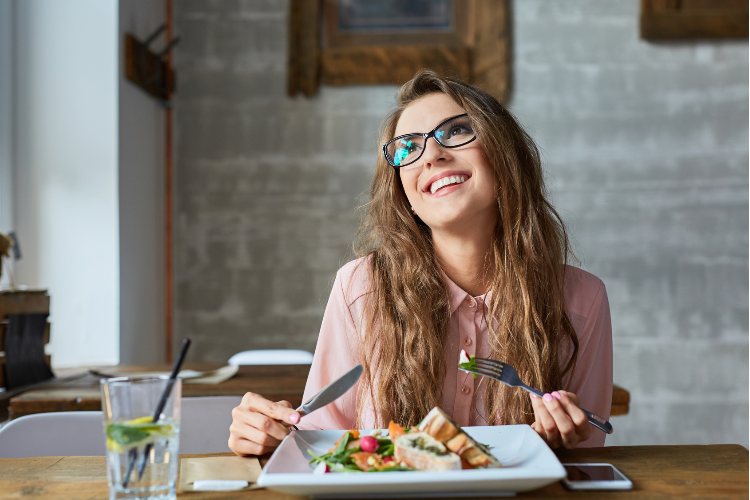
69	433
204	426
272	357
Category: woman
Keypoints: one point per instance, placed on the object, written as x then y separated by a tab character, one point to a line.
460	249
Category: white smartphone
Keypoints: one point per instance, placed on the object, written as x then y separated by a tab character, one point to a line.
595	477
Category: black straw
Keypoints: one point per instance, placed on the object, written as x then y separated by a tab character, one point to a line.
157	414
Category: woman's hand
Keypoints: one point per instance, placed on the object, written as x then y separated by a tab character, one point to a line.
259	425
559	420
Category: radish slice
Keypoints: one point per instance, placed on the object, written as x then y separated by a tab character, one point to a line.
369	444
463	357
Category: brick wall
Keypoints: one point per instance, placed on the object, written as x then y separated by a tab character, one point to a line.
647	155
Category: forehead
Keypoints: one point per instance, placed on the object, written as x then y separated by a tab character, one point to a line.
426	113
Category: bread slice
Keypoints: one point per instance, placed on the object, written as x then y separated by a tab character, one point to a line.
421	451
475	454
440	426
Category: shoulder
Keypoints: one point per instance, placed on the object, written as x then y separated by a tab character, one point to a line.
354	279
582	290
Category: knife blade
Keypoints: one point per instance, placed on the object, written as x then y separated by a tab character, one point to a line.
332	391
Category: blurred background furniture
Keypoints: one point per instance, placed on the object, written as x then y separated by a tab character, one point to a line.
272	357
204	423
275	382
74	433
204	428
22	357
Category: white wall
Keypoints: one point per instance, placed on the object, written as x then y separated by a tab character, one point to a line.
65	186
6	117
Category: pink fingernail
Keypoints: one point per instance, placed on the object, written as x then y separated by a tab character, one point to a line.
557	395
294	417
533	395
547	397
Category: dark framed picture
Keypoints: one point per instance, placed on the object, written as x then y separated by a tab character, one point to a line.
348	42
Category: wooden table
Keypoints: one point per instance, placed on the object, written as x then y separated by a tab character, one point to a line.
276	382
715	471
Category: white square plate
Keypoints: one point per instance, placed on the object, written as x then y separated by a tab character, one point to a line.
528	464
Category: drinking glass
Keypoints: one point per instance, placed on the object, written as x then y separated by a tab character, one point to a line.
142	455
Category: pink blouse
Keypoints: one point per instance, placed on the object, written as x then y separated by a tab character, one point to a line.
337	351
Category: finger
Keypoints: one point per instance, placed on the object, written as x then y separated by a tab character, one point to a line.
539	430
254	435
577	416
572	396
536	425
564	424
262	423
571	408
547	422
285	403
277	411
243	447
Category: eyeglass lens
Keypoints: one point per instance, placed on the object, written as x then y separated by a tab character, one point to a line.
453	133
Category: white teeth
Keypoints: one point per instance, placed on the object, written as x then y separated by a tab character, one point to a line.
451	179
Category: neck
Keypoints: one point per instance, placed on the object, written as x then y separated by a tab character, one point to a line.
465	257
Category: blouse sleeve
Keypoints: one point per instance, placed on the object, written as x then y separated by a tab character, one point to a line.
334	356
592	376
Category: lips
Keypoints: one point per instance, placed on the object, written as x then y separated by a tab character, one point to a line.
444	179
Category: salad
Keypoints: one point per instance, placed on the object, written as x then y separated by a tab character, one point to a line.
436	444
357	453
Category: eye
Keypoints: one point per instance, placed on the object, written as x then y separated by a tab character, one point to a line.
458	130
405	151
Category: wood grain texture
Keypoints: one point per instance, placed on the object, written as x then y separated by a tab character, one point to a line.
714	471
20	302
491	49
394	64
304	47
693	19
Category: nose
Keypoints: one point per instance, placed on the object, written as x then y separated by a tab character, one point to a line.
434	153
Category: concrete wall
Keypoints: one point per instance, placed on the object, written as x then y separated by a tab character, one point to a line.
141	198
65	170
646	149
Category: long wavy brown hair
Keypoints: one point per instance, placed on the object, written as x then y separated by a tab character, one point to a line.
407	312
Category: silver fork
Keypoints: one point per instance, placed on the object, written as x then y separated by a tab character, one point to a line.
509	376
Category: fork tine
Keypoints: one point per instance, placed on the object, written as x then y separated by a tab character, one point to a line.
499	364
488	369
488	373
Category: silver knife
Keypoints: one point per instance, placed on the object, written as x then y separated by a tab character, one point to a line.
331	392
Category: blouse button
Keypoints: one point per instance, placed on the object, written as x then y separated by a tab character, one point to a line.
472	303
465	391
467	341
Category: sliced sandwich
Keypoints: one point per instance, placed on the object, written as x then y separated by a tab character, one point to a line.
473	455
421	451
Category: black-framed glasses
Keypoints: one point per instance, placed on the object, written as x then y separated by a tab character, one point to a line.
406	149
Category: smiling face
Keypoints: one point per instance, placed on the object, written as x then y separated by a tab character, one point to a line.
448	187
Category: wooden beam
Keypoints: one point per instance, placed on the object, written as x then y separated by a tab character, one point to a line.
693	19
304	47
491	50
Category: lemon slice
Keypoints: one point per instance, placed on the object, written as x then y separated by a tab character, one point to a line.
127	434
